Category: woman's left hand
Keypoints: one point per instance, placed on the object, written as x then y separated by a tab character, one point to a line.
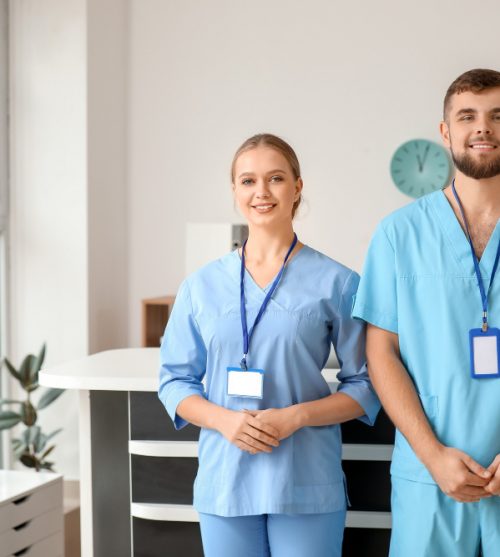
285	420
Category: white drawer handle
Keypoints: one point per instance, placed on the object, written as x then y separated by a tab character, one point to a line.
21	500
22	551
21	526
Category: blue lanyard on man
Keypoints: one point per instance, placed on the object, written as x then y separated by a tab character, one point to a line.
247	336
484	294
484	343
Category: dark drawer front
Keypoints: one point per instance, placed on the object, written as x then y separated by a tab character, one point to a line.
149	420
381	433
163	480
153	538
368	485
364	542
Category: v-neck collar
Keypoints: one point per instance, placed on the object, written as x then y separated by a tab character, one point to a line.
460	244
249	280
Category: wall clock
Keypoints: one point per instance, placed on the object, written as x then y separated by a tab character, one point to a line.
420	166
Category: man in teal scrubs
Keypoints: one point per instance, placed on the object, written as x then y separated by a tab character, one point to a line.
433	339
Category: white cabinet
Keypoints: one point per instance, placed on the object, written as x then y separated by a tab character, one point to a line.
31	514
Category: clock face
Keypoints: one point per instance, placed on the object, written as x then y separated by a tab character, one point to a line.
419	167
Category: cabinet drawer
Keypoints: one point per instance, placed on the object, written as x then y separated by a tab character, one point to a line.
32	531
53	546
30	505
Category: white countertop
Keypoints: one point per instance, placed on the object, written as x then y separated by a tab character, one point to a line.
126	369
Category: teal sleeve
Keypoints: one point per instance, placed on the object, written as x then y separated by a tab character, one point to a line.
376	299
349	343
183	357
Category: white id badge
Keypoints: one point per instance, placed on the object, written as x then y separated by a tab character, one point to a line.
245	383
484	352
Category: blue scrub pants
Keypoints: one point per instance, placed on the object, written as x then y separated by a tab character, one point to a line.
428	523
276	535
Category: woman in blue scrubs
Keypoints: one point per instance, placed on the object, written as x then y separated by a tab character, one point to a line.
258	326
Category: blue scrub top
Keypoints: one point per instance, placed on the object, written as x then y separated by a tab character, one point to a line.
419	282
308	312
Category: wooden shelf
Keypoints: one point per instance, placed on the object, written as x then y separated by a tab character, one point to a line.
155	314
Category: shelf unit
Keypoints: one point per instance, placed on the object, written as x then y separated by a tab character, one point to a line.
31	514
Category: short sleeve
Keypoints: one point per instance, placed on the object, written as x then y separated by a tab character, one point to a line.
376	299
183	357
348	338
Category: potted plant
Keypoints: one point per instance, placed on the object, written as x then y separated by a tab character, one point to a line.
30	447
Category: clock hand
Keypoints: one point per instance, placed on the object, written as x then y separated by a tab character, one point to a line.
425	156
420	164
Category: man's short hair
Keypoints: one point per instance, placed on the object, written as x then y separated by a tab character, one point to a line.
474	80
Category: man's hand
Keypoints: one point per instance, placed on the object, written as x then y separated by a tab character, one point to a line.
247	432
283	420
459	476
493	486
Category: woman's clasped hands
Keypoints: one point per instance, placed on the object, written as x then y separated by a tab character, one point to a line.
259	431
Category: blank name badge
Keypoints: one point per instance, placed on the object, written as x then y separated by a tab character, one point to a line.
245	383
484	352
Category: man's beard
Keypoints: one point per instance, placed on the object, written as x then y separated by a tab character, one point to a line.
476	169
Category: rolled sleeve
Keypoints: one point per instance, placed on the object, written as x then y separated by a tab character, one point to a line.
183	357
376	298
349	341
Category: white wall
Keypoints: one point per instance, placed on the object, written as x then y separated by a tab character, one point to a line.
48	198
345	83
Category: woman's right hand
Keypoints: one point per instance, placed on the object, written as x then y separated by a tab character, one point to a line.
247	433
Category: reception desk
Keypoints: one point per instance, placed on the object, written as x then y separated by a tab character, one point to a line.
136	471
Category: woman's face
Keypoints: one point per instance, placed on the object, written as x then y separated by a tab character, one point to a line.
265	188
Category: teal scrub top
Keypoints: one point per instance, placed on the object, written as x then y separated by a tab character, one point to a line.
309	311
419	282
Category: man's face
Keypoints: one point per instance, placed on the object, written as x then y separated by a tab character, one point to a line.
472	133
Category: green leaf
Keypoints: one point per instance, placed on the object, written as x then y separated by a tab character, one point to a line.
47	452
40	442
18	451
28	413
30	460
9	419
25	371
37	363
48	466
16	443
13	371
33	434
36	437
48	397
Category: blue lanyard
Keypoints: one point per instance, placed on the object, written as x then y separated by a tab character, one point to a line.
247	337
484	294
